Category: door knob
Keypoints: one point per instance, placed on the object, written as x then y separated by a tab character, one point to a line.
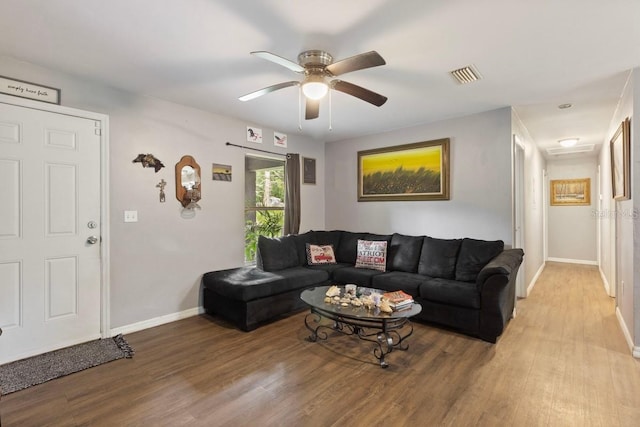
92	240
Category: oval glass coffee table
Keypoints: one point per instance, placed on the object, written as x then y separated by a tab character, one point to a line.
387	330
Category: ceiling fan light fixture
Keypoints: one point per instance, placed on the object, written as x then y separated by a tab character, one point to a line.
314	87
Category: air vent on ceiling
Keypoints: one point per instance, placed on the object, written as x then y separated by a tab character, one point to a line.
466	74
583	148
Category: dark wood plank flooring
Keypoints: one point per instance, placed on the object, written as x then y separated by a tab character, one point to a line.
562	361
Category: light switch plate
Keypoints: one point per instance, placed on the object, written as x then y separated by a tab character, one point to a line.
130	216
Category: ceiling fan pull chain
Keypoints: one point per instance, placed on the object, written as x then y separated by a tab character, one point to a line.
300	108
330	115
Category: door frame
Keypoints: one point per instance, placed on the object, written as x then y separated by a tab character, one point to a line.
105	265
518	209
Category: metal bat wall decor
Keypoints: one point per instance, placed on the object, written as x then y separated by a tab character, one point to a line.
149	161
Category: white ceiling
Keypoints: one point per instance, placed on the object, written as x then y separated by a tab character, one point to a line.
532	55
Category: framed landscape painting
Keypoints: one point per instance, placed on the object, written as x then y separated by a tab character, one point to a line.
418	171
620	148
571	192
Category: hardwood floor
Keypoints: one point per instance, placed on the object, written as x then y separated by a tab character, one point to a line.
562	361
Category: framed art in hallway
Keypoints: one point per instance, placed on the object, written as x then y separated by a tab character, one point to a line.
418	171
620	147
571	192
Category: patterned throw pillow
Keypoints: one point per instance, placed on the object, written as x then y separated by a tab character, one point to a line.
372	254
320	254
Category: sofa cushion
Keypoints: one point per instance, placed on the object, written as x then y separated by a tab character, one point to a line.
320	254
301	241
358	276
475	254
324	237
453	292
316	238
439	257
404	253
348	247
277	253
329	268
372	254
248	283
399	280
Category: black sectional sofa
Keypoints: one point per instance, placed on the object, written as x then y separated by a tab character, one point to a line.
464	284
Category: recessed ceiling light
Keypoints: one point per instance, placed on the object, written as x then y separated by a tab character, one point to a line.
564	106
569	142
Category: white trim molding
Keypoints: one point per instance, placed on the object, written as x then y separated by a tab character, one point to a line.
573	261
157	321
635	350
535	278
605	282
105	234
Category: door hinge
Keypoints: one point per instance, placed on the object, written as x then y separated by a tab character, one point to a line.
99	132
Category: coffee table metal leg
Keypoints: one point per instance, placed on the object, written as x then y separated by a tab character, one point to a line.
316	318
385	346
386	335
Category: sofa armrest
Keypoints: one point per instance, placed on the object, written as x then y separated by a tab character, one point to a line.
506	262
497	286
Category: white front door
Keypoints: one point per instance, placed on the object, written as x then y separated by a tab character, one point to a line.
50	280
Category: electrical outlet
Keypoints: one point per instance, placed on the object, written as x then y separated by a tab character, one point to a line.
130	216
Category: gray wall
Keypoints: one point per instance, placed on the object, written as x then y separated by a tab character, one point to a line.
572	229
480	204
157	263
620	229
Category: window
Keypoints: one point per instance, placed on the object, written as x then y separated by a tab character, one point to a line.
264	201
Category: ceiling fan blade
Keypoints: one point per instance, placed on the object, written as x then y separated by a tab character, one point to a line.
279	60
357	62
359	92
267	90
312	110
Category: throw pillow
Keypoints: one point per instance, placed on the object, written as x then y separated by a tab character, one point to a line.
320	254
372	254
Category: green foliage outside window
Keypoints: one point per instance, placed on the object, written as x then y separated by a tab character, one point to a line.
268	223
265	213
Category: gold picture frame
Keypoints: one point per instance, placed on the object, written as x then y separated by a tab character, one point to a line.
620	146
417	171
571	192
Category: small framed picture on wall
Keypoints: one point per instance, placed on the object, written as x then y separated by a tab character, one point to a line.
308	170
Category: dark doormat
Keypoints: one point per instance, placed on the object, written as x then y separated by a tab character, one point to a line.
38	369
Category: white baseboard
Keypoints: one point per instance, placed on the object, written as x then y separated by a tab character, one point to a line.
535	278
607	288
157	321
573	261
635	350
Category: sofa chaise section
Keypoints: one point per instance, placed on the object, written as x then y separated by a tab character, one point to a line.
249	296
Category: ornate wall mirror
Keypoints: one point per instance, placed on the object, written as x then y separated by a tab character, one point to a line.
188	182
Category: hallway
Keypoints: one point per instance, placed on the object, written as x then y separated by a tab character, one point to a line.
581	371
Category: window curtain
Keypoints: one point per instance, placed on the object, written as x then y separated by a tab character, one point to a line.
292	194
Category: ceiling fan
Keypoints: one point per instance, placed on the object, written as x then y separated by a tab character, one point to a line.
319	69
